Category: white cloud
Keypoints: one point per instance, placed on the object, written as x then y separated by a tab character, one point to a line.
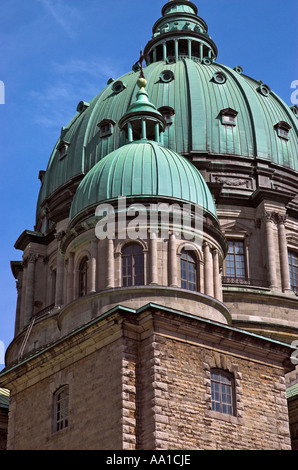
63	14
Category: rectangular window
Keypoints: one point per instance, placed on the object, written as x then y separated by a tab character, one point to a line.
222	392
293	266
235	260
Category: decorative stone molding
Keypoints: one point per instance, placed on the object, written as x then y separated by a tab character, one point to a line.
59	235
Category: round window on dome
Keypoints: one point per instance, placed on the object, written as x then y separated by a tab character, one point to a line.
294	109
166	76
207	61
264	90
220	78
118	87
238	69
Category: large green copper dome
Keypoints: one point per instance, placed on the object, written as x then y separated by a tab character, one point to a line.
142	169
183	79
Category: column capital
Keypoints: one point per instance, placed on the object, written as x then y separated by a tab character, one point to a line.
270	216
281	218
31	258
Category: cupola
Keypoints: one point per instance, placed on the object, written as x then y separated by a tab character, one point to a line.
142	120
180	34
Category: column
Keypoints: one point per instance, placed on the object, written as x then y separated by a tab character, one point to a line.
154	55
70	278
216	275
93	266
59	272
271	263
176	49
153	259
201	51
172	262
157	132
164	51
19	303
144	130
283	253
110	281
31	259
189	49
23	296
130	133
208	270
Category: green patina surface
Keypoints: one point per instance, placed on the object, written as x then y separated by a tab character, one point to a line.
143	168
197	101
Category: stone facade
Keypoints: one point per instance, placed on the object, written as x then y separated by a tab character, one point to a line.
142	381
136	359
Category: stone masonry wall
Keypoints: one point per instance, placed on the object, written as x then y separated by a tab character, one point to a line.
95	387
183	396
137	384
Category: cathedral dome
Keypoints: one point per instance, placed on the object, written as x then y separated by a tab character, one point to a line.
213	110
143	169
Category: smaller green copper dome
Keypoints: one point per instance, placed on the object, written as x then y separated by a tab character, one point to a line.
142	169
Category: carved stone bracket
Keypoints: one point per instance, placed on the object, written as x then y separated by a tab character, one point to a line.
59	235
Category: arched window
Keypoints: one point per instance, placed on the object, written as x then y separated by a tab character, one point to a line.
132	265
83	277
61	408
188	268
222	392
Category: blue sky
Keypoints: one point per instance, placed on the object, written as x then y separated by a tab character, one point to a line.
55	53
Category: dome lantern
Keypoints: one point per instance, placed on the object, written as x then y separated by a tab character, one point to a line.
142	120
180	34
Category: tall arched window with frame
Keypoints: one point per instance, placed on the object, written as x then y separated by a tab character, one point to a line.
83	277
188	270
61	408
132	265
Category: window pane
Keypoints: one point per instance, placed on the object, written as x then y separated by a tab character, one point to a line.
235	260
61	404
221	392
293	267
188	271
132	265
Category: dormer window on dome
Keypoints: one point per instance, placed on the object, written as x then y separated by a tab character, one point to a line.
283	129
118	86
294	109
82	106
62	148
220	78
167	112
264	90
106	127
228	116
167	76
